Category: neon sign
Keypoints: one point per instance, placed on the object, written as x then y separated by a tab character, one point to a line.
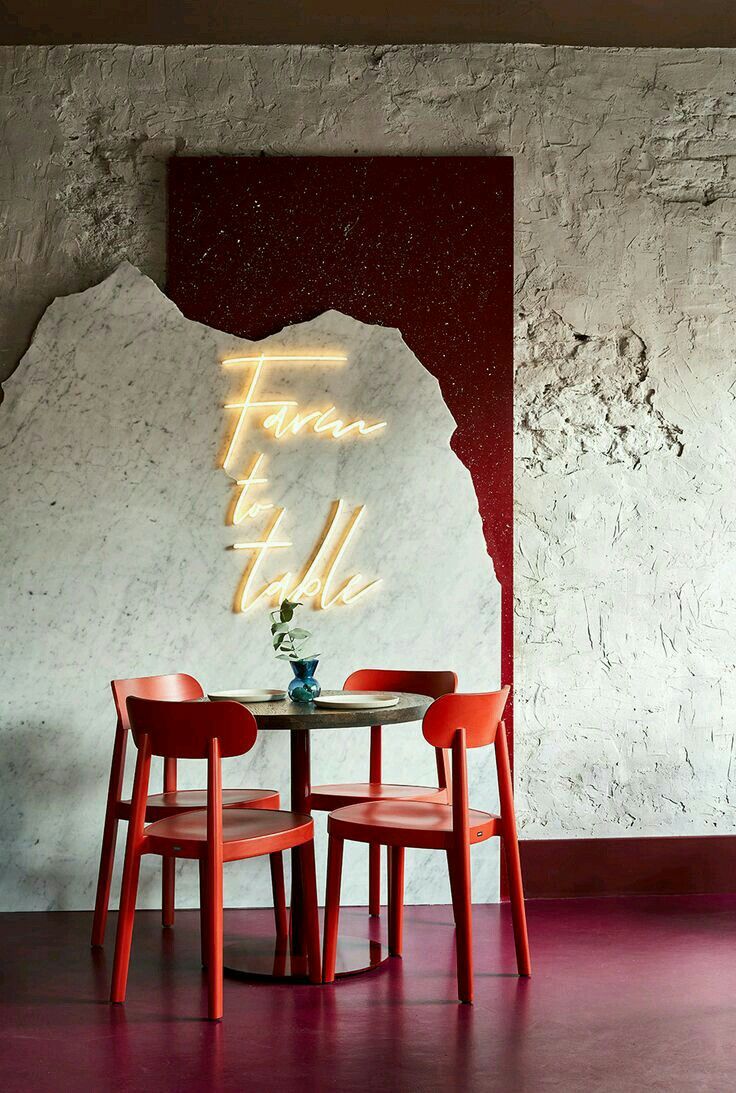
317	581
276	422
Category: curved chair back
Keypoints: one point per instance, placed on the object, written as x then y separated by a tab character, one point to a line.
463	721
477	715
185	730
177	687
431	684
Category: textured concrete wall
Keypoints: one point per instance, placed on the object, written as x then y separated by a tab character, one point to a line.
626	180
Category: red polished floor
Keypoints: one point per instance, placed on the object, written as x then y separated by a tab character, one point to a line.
628	994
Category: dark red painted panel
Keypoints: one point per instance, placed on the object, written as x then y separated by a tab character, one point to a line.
423	244
636	866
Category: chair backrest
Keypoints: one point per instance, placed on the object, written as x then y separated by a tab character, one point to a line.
478	714
462	721
185	730
432	684
177	687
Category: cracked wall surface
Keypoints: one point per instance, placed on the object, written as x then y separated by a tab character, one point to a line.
625	167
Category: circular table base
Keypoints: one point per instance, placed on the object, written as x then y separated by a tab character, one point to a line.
271	959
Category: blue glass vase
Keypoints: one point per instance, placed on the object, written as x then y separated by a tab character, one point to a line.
304	687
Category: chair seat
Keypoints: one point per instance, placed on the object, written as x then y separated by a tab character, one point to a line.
327	798
421	824
246	832
159	805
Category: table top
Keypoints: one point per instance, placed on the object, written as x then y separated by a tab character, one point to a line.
290	716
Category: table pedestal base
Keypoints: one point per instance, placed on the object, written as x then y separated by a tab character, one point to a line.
271	958
262	959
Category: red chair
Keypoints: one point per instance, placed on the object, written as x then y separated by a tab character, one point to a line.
172	801
328	798
457	722
210	731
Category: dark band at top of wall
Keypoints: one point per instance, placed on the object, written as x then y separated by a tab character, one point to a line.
672	23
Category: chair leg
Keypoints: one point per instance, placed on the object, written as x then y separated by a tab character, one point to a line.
395	900
311	914
453	893
332	907
374	880
203	911
460	866
374	852
510	842
168	874
516	899
213	904
126	916
279	894
104	878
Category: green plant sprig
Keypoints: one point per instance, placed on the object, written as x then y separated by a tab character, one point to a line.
289	643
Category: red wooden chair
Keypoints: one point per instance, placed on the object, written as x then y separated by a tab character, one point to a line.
458	722
328	798
171	688
183	730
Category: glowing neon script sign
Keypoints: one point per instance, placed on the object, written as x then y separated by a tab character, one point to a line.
317	581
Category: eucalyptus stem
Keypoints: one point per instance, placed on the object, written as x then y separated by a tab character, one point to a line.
289	643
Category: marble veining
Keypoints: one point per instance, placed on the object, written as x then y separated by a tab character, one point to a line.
114	506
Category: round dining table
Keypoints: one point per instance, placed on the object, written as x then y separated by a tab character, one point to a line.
285	958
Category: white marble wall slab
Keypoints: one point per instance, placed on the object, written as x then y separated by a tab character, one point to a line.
117	563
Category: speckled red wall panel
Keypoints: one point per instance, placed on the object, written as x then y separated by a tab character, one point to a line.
424	244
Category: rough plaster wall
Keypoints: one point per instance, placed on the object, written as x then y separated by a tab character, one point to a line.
626	180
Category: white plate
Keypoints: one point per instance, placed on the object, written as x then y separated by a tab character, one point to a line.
357	700
247	697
